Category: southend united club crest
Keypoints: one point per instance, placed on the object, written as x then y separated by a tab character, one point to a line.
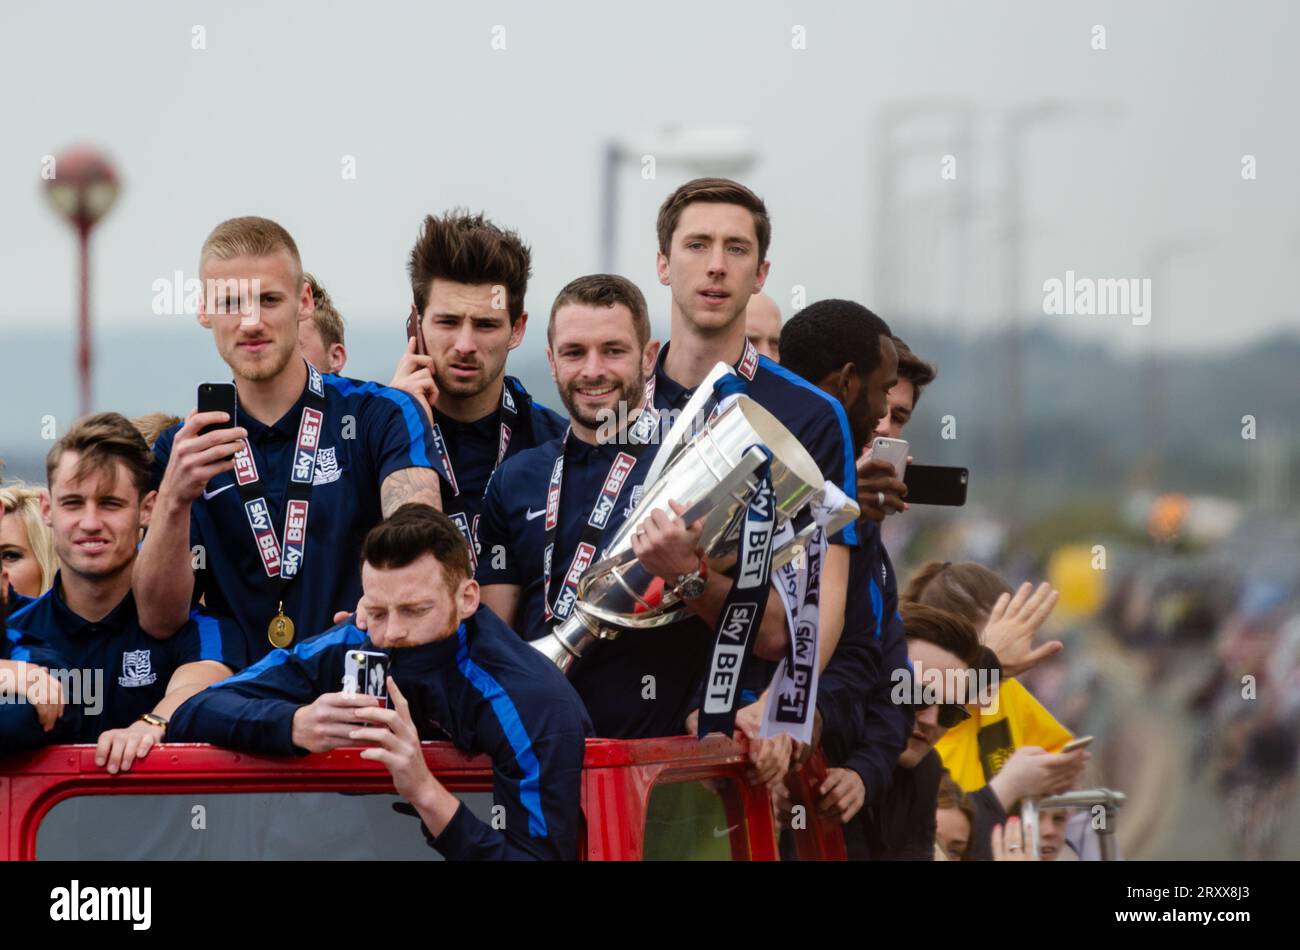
327	467
137	669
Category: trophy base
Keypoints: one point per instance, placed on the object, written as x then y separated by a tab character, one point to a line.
566	642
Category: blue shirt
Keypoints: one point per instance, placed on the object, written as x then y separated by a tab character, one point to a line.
135	667
474	448
369	432
20	729
483	688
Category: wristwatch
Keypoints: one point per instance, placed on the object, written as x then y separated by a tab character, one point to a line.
155	720
690	586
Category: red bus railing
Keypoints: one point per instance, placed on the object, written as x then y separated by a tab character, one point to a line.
618	780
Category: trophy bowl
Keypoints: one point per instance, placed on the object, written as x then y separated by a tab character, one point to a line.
713	476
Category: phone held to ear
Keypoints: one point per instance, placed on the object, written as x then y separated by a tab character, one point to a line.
415	329
936	485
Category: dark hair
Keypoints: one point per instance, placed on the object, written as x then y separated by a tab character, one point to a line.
966	588
946	630
103	440
823	336
604	290
951	796
716	191
914	369
412	531
469	249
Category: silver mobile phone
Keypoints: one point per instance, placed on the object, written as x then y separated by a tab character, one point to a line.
366	672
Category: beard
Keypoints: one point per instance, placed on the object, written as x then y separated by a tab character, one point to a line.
626	397
486	376
267	366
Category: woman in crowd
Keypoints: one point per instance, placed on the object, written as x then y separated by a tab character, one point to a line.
27	558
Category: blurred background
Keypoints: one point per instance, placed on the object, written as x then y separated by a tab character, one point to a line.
939	162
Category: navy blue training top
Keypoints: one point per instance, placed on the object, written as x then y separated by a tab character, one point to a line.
475	446
20	728
862	728
369	432
483	688
135	667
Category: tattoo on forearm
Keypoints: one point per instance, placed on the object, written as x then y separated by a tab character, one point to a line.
419	485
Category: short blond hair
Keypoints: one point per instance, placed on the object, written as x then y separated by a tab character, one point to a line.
328	320
25	501
153	424
249	237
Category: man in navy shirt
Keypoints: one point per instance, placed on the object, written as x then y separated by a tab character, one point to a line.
469	278
714	235
456	671
265	520
87	623
639	684
859	372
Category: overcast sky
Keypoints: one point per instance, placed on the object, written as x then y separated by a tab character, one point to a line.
1148	148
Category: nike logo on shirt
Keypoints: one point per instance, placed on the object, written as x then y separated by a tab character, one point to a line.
529	515
209	495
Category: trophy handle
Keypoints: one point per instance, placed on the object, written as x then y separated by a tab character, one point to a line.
851	511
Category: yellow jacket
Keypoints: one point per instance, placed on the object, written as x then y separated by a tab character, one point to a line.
975	750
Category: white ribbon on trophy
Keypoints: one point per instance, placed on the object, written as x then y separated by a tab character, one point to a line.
792	696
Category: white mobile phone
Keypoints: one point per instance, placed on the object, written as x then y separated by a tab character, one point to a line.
893	451
366	672
1078	743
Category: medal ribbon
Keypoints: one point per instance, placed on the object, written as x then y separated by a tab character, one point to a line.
455	510
791	704
640	434
283	563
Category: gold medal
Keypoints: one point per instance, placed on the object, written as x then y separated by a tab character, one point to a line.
280	630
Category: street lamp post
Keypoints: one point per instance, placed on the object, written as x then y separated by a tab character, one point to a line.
1019	123
83	188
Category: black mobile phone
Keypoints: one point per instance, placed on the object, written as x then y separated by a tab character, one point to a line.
936	485
217	397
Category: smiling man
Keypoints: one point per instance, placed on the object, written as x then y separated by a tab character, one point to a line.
456	672
265	520
99	502
468	279
557	504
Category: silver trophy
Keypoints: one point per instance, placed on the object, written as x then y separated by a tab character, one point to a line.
711	473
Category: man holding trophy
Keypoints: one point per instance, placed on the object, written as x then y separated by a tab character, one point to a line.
557	505
683	543
714	235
